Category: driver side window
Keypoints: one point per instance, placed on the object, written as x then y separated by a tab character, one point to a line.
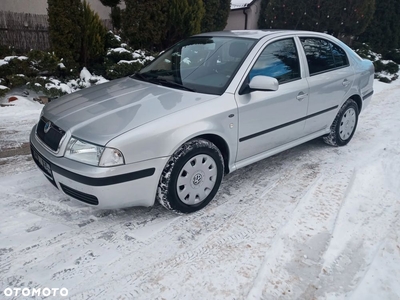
279	60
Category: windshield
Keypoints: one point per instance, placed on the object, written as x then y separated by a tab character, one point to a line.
199	64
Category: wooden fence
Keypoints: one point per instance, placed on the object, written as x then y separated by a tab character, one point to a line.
24	31
27	31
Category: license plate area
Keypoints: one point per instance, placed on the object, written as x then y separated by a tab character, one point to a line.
42	163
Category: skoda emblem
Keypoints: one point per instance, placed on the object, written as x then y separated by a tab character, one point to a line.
47	127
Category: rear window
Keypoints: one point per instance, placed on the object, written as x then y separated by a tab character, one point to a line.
323	55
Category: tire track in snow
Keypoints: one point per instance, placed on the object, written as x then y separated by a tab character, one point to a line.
234	237
365	232
289	264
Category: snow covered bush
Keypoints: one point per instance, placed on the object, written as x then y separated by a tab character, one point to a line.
3	90
394	55
386	70
45	63
122	69
45	73
121	60
15	65
16	80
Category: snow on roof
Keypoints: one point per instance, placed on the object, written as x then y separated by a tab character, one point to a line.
236	4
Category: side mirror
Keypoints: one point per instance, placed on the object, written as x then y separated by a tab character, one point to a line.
263	83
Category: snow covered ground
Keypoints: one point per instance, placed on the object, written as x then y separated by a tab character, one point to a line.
314	222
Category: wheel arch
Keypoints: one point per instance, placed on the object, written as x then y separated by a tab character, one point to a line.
221	144
358	101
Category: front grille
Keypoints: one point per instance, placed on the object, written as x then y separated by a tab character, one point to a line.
90	199
51	138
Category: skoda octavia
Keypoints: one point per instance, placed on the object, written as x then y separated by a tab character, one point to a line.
207	106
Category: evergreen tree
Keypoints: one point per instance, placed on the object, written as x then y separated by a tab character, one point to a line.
156	24
184	19
383	33
350	18
341	17
115	14
222	14
144	23
93	36
65	28
216	15
263	22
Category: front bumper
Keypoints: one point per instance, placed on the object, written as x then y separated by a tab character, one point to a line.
112	187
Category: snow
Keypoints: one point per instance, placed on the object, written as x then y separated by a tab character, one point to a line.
6	59
15	123
2	87
85	75
116	36
239	3
118	50
128	61
313	222
86	79
57	84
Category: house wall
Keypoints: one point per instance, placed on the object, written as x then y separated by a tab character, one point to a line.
236	19
39	7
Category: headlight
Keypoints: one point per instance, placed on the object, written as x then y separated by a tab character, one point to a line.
92	154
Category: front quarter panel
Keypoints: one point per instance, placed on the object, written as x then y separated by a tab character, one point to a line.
162	137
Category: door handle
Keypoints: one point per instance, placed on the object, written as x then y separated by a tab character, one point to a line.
301	96
345	82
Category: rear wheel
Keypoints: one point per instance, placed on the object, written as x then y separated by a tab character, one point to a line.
191	177
344	125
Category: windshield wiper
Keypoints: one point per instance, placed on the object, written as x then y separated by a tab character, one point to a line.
161	81
170	84
140	77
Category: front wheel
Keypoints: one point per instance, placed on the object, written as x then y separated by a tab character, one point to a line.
191	177
344	125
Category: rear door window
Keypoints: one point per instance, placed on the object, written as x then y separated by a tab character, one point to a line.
323	55
339	55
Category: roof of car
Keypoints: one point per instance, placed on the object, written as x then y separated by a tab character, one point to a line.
253	34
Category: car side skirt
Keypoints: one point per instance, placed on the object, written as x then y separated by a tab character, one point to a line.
263	155
286	124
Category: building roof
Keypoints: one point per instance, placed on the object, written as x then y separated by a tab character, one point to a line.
241	4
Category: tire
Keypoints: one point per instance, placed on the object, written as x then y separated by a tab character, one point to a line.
192	177
344	125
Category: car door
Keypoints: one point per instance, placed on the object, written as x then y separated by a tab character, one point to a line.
268	119
331	78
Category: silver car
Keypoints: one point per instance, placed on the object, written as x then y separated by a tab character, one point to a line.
207	106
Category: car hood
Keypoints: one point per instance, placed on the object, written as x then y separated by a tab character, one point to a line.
100	113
